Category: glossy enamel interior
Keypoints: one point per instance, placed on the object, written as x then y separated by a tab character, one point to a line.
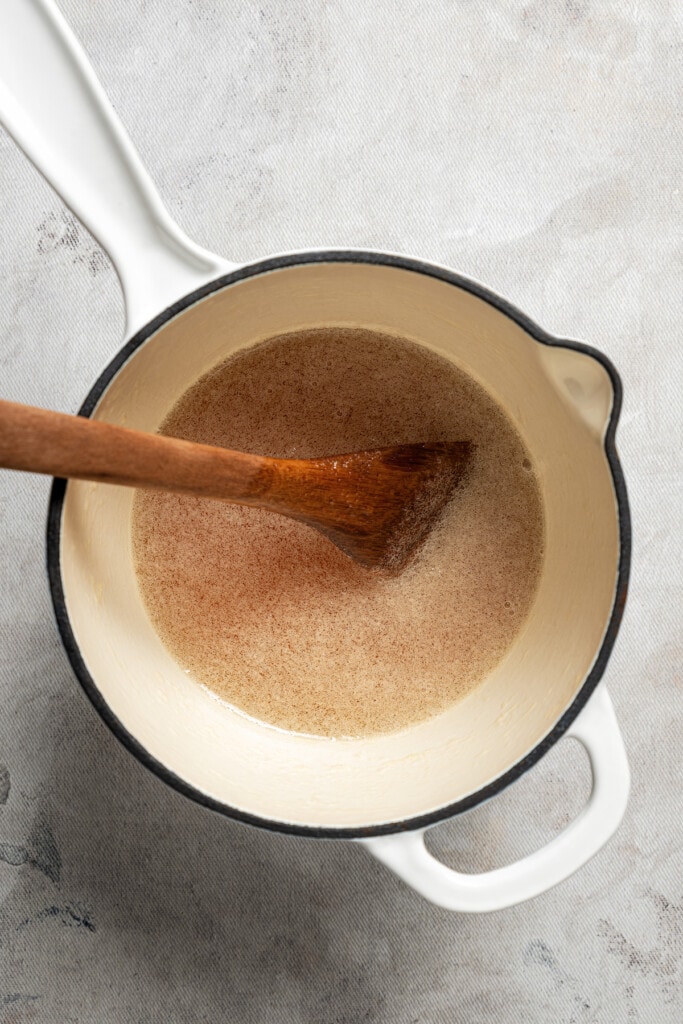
560	400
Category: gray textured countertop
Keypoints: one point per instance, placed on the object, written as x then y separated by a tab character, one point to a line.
536	148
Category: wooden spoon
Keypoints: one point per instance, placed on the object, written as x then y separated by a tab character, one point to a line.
377	506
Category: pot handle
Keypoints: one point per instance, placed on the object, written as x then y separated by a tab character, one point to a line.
54	106
406	854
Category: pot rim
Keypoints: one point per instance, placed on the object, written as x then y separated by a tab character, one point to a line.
591	681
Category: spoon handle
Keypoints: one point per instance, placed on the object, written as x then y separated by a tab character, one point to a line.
42	441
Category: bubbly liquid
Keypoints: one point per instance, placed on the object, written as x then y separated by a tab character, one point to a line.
269	615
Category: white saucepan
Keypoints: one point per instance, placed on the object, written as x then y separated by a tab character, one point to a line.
187	310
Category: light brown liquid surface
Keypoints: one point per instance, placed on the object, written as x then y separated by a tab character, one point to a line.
275	620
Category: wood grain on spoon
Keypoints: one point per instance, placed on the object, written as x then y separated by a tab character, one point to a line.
377	506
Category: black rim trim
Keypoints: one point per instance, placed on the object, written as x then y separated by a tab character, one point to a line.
520	767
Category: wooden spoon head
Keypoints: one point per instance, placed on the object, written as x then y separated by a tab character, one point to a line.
378	506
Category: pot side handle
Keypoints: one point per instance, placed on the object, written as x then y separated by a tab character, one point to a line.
406	854
53	105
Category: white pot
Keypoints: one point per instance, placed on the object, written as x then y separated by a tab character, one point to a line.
563	397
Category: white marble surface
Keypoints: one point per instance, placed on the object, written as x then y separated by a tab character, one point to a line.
536	147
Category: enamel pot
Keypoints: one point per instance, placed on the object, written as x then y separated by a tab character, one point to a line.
564	398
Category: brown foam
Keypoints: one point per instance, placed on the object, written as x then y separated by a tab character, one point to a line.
275	620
